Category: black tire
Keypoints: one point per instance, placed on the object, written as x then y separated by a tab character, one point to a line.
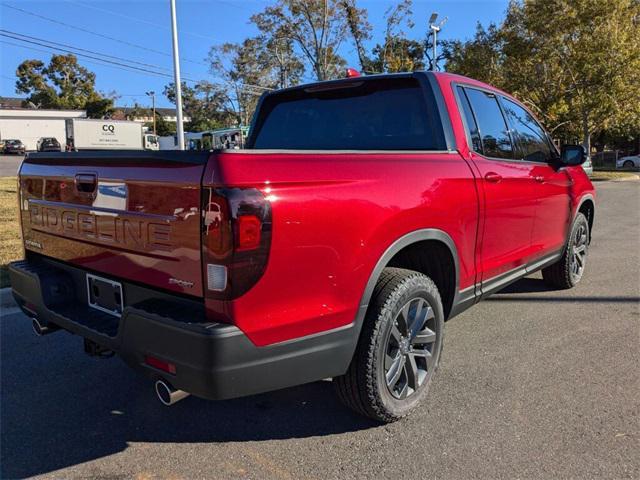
628	164
393	347
567	272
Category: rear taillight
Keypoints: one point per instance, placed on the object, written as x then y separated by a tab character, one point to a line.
236	236
249	232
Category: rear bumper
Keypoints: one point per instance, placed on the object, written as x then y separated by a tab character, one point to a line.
213	360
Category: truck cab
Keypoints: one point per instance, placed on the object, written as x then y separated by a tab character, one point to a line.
150	142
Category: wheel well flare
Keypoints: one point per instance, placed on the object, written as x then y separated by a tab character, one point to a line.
434	259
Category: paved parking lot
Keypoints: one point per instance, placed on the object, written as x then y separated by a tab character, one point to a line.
9	165
534	384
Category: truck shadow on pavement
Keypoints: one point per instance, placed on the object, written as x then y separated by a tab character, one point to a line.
529	285
60	408
526	285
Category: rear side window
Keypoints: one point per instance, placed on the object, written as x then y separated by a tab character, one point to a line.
472	126
493	128
389	114
531	138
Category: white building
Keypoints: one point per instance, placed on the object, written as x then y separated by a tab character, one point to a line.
28	125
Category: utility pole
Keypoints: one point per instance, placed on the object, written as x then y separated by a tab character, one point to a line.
434	31
152	94
176	74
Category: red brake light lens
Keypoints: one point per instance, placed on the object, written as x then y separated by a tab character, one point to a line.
249	227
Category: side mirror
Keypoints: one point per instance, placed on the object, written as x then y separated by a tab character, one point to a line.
571	155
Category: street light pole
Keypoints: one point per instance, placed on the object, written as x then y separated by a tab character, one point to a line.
434	31
176	74
152	94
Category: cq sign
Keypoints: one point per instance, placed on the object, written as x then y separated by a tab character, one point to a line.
108	128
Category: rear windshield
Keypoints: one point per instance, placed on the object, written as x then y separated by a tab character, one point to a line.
381	114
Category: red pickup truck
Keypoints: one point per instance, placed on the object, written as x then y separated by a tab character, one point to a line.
363	214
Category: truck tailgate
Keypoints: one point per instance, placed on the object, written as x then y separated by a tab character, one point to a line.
132	215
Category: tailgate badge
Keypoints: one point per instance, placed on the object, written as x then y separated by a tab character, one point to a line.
182	283
32	244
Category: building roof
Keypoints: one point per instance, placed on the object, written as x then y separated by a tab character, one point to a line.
11	102
13	107
32	113
17	103
165	112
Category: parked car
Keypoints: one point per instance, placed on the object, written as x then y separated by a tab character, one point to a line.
48	144
631	161
588	165
363	214
13	146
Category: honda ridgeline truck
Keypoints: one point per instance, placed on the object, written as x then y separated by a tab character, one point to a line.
364	213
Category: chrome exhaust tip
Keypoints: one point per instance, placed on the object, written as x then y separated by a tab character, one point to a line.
169	395
42	329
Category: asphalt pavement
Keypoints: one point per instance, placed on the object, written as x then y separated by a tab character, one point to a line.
534	384
9	165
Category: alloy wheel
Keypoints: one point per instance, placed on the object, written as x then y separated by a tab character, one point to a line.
409	353
579	252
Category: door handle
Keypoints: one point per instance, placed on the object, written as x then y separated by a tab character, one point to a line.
493	177
539	178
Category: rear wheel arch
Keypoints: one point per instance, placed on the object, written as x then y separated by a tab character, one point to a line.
396	255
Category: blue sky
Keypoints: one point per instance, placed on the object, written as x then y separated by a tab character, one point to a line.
146	23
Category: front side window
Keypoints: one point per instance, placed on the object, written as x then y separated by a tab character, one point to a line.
389	114
531	138
494	133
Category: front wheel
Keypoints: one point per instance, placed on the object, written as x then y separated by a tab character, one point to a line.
398	350
628	164
567	272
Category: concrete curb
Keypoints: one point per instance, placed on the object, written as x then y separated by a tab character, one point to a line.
6	299
630	178
635	178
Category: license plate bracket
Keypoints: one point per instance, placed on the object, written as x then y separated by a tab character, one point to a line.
105	295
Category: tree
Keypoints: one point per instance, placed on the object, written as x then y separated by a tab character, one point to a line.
278	55
204	104
163	128
575	63
578	61
360	30
398	53
63	83
316	28
138	111
250	68
479	58
241	67
99	108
